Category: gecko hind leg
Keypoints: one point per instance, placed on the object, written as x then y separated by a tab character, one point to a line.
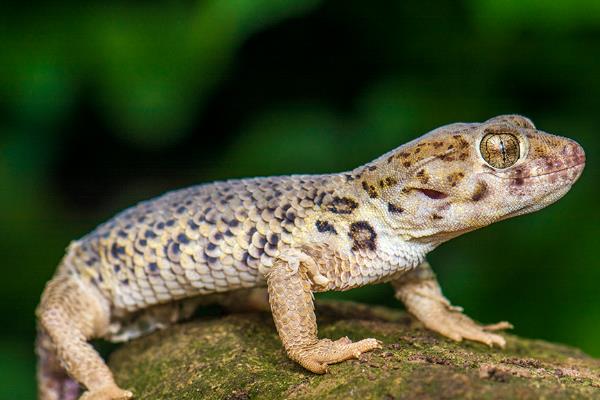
292	306
53	381
70	314
423	298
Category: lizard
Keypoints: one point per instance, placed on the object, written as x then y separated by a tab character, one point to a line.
274	241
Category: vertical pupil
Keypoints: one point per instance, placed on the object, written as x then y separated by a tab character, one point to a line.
503	150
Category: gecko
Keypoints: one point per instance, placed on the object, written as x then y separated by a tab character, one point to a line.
272	242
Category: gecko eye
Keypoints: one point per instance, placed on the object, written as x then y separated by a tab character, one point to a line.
500	150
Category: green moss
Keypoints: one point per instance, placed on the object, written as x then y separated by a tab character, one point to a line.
240	357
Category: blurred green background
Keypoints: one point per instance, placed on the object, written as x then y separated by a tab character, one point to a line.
105	103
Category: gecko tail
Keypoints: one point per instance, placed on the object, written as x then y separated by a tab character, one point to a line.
53	381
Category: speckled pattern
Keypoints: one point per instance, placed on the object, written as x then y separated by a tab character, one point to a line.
152	264
204	239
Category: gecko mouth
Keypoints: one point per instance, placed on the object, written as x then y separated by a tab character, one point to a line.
579	165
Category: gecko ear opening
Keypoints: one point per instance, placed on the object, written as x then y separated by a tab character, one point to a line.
500	149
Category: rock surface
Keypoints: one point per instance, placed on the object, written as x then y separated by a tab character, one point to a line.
239	356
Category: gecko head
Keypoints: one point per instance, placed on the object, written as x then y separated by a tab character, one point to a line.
460	177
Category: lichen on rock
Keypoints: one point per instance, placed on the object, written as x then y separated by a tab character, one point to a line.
239	356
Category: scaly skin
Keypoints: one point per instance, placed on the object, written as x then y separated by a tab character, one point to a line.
154	263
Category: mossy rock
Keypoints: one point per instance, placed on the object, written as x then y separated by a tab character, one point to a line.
239	356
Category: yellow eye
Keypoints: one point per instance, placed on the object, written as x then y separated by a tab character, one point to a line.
500	150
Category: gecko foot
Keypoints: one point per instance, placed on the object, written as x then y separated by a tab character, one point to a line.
425	301
457	326
107	393
317	357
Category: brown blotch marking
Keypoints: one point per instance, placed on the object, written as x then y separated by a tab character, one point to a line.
342	205
406	164
349	177
423	177
437	145
519	181
363	236
390	159
394	209
433	194
450	147
387	182
454	178
324	226
370	189
372	168
403	154
480	192
462	143
437	216
417	150
463	156
445	157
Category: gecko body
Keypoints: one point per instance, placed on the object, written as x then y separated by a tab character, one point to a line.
154	263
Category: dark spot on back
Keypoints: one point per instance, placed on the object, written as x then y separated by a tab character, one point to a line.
274	239
115	250
324	226
342	205
363	236
182	238
395	209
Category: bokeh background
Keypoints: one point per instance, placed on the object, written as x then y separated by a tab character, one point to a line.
106	103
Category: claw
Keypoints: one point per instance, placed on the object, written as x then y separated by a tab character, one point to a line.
499	326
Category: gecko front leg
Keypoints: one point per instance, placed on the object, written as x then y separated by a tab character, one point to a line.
421	294
292	306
